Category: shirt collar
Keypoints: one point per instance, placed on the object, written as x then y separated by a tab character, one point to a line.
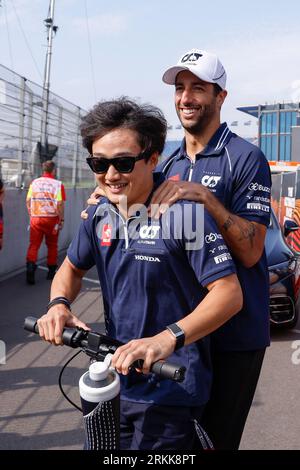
47	175
214	146
158	179
104	203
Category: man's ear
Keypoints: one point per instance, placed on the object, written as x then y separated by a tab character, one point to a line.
153	160
221	97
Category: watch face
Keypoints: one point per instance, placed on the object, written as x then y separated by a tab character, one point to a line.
175	329
178	333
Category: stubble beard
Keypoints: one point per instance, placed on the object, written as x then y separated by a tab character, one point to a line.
195	128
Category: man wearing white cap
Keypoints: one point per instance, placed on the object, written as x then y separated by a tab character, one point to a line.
231	177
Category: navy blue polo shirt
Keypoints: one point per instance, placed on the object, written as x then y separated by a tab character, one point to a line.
152	274
238	174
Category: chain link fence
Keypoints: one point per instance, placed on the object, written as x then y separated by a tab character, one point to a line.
22	111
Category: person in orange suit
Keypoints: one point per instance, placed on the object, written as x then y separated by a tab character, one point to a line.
45	203
1	212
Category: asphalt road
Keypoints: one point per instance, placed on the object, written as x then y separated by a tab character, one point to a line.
34	414
274	419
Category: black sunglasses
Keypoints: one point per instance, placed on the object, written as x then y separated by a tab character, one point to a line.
122	164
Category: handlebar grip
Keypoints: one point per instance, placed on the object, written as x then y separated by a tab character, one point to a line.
167	370
30	324
68	334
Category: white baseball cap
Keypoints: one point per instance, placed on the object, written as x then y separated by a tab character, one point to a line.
203	64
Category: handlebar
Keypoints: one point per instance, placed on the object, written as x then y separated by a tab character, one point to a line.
97	346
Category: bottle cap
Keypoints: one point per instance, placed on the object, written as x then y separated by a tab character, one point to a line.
100	383
98	371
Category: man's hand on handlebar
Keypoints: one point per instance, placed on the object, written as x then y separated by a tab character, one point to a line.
149	350
54	321
97	346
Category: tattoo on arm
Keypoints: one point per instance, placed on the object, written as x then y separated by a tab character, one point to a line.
228	223
246	233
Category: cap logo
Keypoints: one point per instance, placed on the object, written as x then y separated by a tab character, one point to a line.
191	57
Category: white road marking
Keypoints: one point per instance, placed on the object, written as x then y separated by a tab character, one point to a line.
93	281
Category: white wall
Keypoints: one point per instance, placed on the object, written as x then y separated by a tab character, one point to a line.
16	234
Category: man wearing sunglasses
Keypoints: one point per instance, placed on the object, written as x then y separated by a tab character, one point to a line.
231	178
162	293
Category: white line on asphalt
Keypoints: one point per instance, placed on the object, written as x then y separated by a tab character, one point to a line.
94	281
42	267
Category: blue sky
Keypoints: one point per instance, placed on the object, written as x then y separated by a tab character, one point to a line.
134	41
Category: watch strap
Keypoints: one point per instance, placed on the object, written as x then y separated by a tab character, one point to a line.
59	300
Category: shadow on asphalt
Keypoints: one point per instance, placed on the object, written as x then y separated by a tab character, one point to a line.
33	412
22	379
54	439
278	335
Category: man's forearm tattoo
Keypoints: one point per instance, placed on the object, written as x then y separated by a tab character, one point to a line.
247	233
228	223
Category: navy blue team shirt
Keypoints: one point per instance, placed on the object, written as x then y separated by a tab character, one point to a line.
238	174
149	279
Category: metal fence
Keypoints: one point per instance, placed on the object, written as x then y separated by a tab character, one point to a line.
21	120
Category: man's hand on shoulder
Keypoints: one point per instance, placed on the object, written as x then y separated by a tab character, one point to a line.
171	191
92	201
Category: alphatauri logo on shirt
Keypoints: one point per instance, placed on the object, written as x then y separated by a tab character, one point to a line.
210	181
149	231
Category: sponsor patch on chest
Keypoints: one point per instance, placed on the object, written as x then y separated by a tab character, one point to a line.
106	235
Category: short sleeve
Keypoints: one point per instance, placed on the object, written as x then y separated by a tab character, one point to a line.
213	261
202	242
29	193
252	188
63	193
80	251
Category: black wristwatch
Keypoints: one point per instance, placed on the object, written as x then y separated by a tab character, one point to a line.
178	333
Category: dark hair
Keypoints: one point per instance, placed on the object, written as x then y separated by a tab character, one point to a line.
217	89
146	120
48	166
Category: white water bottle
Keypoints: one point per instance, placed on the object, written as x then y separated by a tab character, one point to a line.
99	392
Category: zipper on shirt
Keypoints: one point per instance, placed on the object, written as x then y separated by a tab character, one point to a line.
124	226
191	170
